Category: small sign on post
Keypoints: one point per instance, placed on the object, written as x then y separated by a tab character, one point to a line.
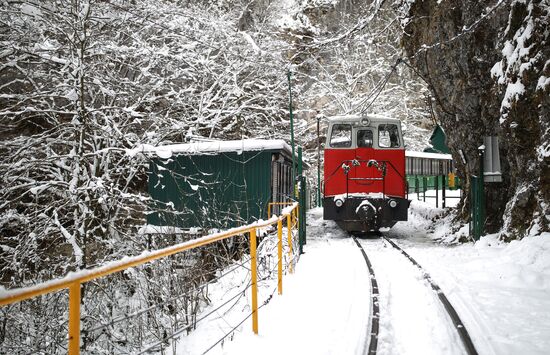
491	163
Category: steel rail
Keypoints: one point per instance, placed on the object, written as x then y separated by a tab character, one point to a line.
457	322
375	309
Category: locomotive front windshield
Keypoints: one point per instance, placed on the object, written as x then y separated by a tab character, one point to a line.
388	136
364	138
341	136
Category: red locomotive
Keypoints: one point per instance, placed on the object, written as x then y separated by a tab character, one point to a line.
364	173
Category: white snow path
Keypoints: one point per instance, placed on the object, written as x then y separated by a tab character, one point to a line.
324	308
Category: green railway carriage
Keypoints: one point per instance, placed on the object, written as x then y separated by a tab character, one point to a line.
218	184
426	170
432	168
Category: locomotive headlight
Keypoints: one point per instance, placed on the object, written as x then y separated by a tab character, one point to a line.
393	203
365	121
339	202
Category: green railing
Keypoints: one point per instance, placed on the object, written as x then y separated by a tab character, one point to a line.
477	208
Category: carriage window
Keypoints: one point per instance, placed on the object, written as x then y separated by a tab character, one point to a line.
364	138
388	136
341	136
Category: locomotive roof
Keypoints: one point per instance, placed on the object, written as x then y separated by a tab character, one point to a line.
357	118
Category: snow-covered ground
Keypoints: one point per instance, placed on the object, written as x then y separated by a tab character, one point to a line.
501	292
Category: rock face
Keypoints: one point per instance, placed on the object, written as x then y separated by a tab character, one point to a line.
487	64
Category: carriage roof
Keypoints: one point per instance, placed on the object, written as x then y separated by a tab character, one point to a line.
357	118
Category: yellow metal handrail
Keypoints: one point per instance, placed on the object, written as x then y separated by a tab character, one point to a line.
292	221
74	280
276	204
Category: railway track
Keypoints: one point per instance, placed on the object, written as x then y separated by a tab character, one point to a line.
374	326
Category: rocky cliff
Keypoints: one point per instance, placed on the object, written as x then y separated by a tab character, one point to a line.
487	64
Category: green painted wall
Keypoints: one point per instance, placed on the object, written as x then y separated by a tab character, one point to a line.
413	180
210	191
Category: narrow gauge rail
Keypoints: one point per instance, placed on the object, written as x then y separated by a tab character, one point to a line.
375	315
375	308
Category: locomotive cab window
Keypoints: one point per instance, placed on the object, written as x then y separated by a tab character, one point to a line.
341	136
388	136
364	138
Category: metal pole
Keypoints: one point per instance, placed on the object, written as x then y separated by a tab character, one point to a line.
481	192
436	183
280	256
74	319
301	210
417	187
289	236
254	280
318	162
291	132
424	187
443	187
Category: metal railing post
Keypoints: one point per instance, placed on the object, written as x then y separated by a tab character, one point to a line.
289	235
424	188
254	280
280	256
417	187
74	319
298	222
436	183
443	192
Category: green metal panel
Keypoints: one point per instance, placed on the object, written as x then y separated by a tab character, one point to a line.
210	191
477	208
438	141
302	193
411	180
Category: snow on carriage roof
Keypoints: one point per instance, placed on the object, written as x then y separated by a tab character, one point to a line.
354	118
214	147
412	154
